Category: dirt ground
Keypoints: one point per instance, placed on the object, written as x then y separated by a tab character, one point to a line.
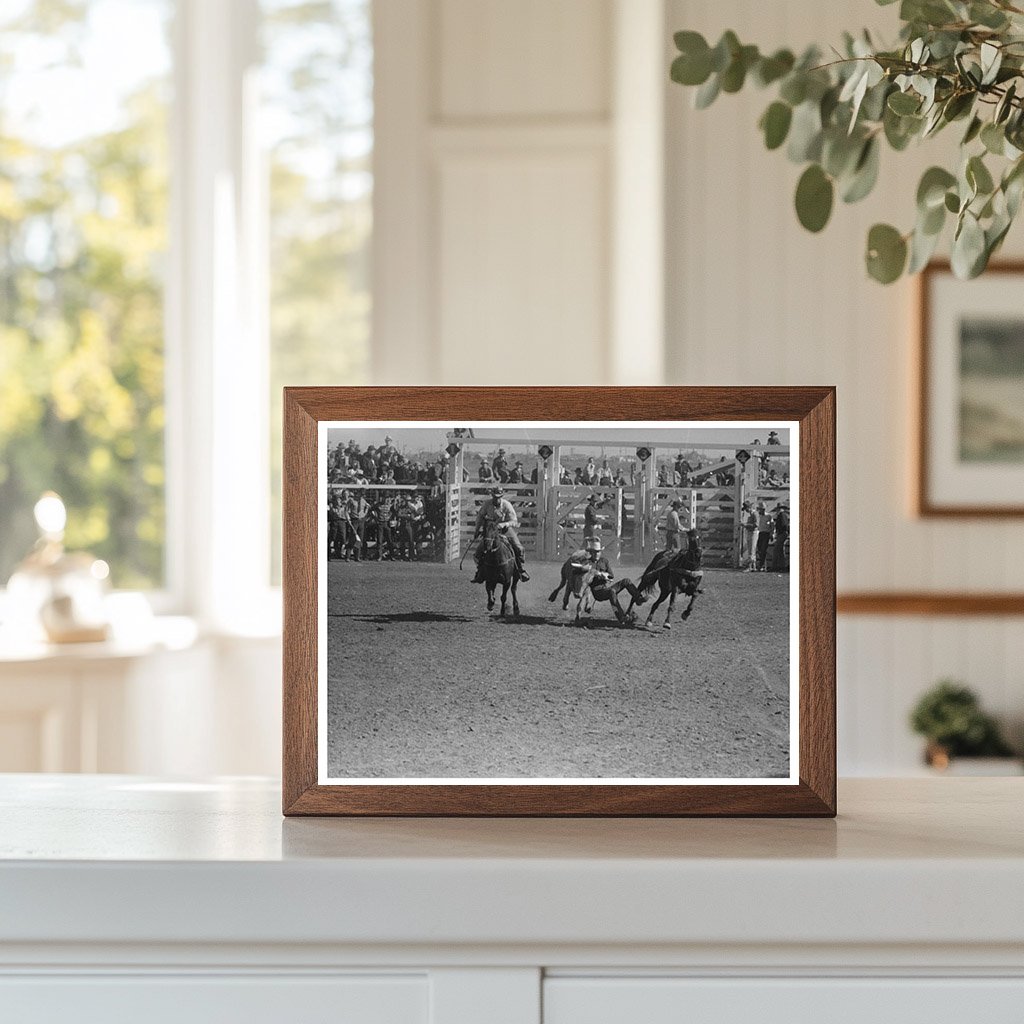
423	681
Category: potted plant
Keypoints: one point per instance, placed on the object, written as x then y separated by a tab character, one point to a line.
955	62
950	717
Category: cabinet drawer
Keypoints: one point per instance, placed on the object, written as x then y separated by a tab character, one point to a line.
782	1001
202	999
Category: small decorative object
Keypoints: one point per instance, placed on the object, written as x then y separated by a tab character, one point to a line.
950	718
59	595
970	447
957	63
480	643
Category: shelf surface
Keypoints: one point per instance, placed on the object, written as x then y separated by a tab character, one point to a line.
127	859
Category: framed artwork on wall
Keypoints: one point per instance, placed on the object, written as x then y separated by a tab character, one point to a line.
559	601
970	445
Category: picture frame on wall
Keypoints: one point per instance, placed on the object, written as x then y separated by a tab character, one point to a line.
559	601
970	415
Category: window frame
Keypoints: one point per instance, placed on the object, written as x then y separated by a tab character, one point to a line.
217	346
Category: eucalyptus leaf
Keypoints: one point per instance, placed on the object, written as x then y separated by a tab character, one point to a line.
900	130
775	124
865	173
968	248
958	105
886	253
1005	105
995	233
771	69
735	74
991	60
814	196
925	87
973	130
794	88
1014	192
922	248
931	190
805	133
932	220
987	15
827	106
873	106
724	51
978	176
993	138
691	68
707	93
933	122
1013	187
904	103
840	152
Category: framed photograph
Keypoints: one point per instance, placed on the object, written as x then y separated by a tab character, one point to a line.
559	601
970	450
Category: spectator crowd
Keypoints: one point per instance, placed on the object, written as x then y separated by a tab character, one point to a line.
384	525
388	522
764	537
384	464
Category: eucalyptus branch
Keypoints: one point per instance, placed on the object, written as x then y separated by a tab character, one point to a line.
833	118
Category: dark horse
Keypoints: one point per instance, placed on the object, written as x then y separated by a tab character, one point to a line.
673	572
498	566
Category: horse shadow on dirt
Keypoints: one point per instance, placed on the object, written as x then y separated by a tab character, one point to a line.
542	620
521	620
399	617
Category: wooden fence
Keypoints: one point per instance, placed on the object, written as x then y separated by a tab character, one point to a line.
631	519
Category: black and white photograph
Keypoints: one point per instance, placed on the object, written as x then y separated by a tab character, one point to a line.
558	602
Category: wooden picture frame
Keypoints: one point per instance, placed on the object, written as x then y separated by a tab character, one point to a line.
809	790
941	489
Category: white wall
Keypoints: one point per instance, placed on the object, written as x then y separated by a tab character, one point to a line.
519	240
753	298
503	135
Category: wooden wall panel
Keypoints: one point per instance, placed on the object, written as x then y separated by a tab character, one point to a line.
522	273
527	58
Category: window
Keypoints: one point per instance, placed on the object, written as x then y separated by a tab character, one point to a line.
83	236
236	212
317	117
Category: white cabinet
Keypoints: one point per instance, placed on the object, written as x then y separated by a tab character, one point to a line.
126	899
828	1000
203	999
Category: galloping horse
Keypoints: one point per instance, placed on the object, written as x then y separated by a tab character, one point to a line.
498	565
673	572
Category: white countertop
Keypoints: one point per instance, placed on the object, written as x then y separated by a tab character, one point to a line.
120	859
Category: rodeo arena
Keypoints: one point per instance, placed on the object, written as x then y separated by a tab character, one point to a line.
511	606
